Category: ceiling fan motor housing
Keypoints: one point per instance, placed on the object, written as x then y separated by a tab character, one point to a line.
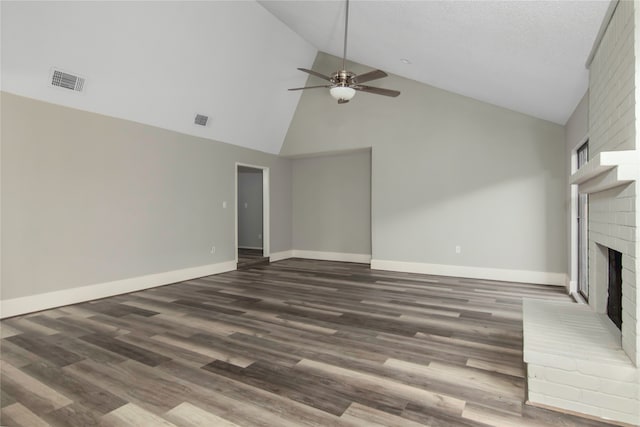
343	78
345	83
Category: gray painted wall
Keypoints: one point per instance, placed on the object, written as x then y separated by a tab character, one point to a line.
88	199
249	207
446	170
332	203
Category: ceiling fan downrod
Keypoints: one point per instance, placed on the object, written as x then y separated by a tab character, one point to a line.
343	84
346	28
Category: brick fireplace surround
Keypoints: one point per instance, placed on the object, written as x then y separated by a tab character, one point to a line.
577	359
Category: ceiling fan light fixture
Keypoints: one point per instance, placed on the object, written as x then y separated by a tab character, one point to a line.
342	92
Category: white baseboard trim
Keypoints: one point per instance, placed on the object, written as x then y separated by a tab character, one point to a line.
522	276
279	256
332	256
32	303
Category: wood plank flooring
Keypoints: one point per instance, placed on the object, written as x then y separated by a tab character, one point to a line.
293	343
249	258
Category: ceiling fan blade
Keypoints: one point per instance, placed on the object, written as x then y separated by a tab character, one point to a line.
371	75
309	87
315	73
342	101
377	90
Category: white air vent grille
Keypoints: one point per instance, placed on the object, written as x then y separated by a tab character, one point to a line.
67	81
201	120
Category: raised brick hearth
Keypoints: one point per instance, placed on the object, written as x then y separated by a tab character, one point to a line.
575	362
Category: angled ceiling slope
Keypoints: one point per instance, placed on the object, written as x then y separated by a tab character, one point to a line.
527	56
160	63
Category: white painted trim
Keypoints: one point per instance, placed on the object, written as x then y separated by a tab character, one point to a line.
572	277
266	227
279	256
266	209
578	298
332	256
593	177
573	236
250	247
32	303
521	276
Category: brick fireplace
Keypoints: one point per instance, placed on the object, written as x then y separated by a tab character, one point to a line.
612	227
579	358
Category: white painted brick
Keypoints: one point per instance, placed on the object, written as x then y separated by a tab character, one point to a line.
551	360
574	379
627	277
629	262
617	388
624	205
564	404
612	372
611	402
628	315
552	389
631	248
629	344
626	233
625	218
535	371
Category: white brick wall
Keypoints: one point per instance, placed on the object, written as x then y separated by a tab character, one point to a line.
612	86
613	214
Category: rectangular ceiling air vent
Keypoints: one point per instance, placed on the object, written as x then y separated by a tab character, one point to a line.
201	120
67	81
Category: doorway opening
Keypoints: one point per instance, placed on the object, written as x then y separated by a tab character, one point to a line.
252	215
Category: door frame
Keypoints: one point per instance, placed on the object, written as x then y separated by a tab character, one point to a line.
574	252
266	234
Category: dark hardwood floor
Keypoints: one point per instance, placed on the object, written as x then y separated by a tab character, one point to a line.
293	343
249	258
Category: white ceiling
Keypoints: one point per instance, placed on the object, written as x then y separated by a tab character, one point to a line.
160	63
527	56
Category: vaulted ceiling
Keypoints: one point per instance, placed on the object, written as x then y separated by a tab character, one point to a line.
527	56
161	63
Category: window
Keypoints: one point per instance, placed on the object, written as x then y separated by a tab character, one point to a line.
583	228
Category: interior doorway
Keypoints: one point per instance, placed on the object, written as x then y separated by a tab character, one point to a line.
252	215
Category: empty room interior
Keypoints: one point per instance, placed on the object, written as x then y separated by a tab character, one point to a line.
320	213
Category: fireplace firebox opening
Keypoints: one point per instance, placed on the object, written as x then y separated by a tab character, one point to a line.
614	300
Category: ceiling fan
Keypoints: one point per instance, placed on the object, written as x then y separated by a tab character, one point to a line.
344	84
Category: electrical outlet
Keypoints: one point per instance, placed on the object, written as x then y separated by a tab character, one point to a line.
213	249
259	236
458	249
224	205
